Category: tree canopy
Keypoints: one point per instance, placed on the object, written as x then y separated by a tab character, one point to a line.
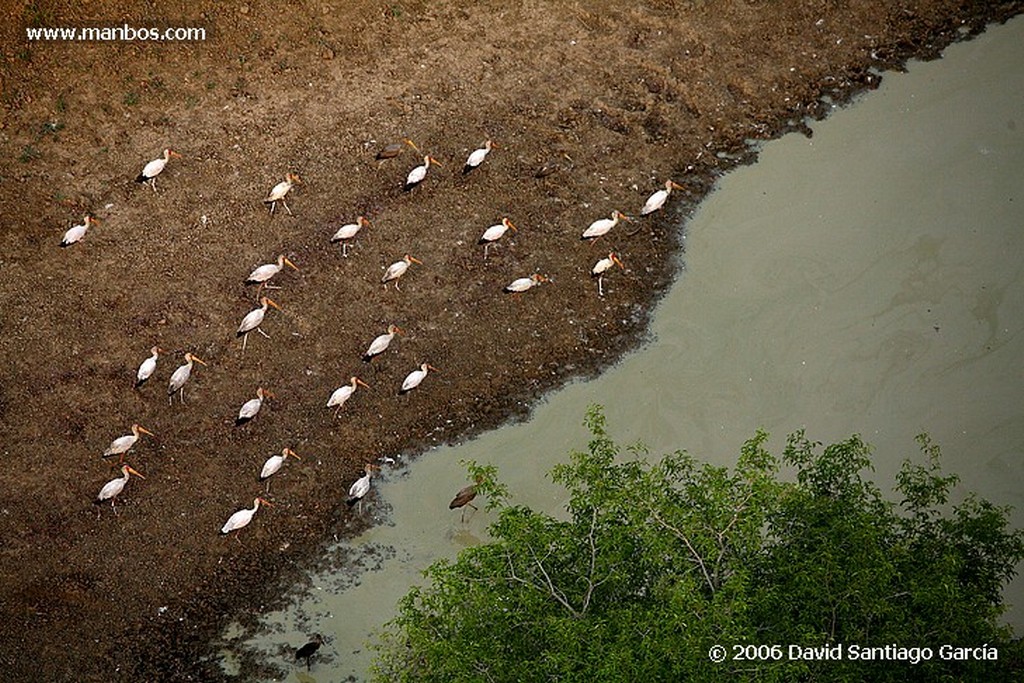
672	570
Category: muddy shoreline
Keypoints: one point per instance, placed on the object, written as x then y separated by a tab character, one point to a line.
618	100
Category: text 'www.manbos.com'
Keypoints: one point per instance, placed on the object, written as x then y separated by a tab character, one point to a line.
121	33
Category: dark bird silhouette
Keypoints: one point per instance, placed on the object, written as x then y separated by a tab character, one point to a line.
394	149
309	649
463	498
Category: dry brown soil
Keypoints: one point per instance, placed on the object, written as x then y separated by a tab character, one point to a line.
616	96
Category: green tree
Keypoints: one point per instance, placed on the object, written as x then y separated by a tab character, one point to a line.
657	562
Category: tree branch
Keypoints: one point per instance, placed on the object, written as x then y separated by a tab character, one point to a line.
693	551
550	590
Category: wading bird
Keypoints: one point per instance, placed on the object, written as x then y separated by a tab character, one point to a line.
463	498
361	487
397	269
123	444
657	200
309	649
344	393
243	517
417	174
477	156
347	232
151	170
77	232
253	319
180	376
380	344
495	233
394	149
148	366
274	463
601	266
602	226
524	283
115	486
280	190
414	378
263	274
252	406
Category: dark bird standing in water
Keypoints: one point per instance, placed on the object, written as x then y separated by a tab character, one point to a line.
309	649
463	498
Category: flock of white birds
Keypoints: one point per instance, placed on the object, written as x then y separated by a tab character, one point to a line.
252	320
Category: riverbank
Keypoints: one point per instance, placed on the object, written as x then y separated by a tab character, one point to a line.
618	100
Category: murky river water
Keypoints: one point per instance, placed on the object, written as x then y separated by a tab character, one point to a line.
868	280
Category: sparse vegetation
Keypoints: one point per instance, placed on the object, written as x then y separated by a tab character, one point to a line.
28	153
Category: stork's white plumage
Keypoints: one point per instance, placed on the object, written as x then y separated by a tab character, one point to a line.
657	200
524	283
252	406
414	378
269	270
253	319
397	270
113	487
417	174
347	232
148	366
477	156
242	517
495	233
180	376
123	444
380	344
277	194
77	232
151	170
274	463
361	487
344	393
602	226
601	266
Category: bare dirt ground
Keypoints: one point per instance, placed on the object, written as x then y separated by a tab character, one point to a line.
615	96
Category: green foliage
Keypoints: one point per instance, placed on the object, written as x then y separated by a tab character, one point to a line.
656	562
